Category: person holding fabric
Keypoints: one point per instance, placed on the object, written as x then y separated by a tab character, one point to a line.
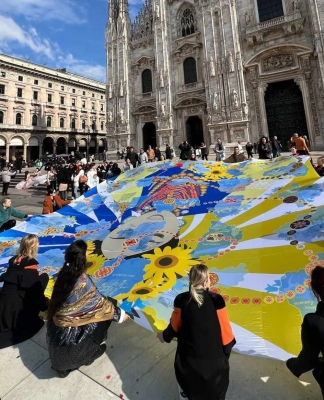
205	339
79	315
236	157
142	157
53	202
6	179
128	165
150	154
92	175
51	178
6	211
300	145
22	295
312	335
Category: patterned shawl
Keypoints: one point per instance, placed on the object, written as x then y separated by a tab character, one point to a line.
85	305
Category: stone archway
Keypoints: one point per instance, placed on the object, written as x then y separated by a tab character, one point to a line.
61	146
48	145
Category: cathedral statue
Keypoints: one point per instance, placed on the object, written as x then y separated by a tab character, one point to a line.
245	111
109	116
121	89
234	97
121	116
215	102
211	66
296	6
247	18
161	79
230	62
157	11
162	109
109	90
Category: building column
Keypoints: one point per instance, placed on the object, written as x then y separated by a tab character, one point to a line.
7	151
54	148
263	113
25	151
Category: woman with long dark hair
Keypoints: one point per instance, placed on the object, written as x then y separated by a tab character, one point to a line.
312	335
264	149
205	339
22	295
78	316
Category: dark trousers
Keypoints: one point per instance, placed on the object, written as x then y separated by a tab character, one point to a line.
204	157
302	152
5	187
7	225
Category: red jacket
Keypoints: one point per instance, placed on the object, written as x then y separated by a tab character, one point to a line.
48	203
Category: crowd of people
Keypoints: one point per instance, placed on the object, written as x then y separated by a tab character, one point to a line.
78	317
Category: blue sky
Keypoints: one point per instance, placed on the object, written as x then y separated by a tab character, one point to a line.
61	33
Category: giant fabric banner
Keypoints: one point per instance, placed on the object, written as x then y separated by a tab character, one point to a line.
257	225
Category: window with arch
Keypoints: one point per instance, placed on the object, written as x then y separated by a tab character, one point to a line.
61	122
49	122
73	123
1	117
147	81
34	120
190	70
83	124
93	126
18	119
187	22
102	125
269	9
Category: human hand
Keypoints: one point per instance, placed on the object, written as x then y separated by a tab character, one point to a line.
160	337
126	317
30	215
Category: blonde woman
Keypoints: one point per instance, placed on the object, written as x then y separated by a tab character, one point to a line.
22	295
205	339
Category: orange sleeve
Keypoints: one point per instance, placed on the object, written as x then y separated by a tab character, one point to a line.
226	329
176	321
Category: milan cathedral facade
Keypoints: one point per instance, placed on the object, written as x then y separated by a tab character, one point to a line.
197	70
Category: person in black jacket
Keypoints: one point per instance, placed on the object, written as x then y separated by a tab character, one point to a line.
132	156
168	152
312	335
264	149
22	295
185	150
205	339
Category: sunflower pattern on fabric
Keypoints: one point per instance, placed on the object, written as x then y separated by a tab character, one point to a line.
257	225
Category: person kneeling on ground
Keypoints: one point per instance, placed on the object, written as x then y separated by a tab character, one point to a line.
53	202
236	157
6	211
22	295
205	339
312	335
79	315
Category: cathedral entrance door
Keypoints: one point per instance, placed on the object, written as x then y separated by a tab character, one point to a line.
194	131
149	135
285	111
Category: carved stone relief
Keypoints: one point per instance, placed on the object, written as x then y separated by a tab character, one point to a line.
312	101
230	62
276	62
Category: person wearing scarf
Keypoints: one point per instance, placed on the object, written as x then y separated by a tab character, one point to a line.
22	295
79	315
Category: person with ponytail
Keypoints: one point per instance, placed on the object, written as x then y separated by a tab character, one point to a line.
79	315
22	295
205	339
312	335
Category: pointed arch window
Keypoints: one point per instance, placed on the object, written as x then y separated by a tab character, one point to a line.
1	117
34	120
61	122
269	9
190	70
18	119
187	22
49	122
146	81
